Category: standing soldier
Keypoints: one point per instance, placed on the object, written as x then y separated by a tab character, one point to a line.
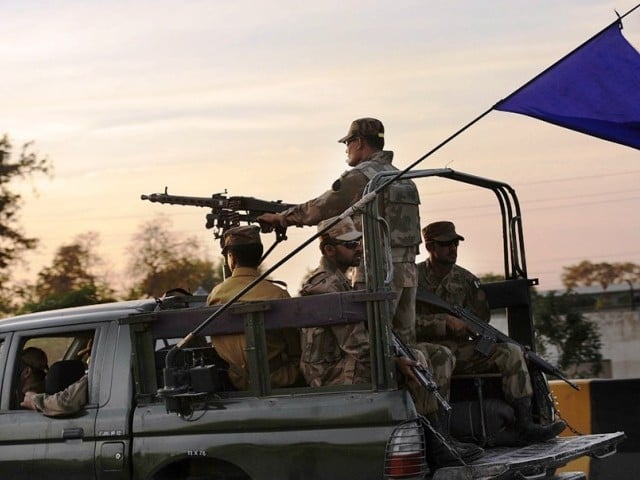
364	147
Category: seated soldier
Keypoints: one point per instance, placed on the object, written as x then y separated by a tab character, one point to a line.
439	274
33	370
340	354
242	249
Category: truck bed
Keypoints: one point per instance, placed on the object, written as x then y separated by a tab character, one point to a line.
533	461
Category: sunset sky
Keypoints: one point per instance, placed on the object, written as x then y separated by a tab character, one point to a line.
201	96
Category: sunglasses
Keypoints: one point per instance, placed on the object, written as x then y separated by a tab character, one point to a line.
351	245
450	243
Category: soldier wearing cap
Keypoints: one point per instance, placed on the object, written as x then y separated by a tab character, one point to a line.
242	249
33	369
340	354
364	143
439	274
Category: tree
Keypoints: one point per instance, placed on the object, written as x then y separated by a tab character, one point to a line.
161	260
575	339
604	274
13	242
491	277
73	278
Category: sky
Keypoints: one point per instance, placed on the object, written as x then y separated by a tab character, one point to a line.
129	97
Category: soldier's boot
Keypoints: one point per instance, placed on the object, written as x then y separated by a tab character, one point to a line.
530	432
442	449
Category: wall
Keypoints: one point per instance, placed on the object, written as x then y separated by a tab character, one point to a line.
620	335
603	406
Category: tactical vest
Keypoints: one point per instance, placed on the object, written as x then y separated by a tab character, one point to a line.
401	210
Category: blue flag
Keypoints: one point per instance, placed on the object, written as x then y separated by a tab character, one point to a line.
593	90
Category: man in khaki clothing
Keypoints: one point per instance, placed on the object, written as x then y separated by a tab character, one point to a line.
242	249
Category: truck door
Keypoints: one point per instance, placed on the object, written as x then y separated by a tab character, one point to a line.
33	445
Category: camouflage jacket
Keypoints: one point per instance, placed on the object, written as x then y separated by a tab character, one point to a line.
339	354
401	204
68	401
458	287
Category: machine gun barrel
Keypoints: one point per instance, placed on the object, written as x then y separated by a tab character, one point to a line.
423	375
226	212
217	200
487	335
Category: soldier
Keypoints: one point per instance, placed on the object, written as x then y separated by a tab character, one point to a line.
364	147
242	249
336	355
33	369
340	354
440	274
66	402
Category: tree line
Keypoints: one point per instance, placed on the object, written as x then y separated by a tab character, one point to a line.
158	258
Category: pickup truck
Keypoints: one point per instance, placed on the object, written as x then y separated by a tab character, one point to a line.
159	408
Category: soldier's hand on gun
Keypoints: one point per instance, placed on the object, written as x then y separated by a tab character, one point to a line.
457	327
269	221
405	366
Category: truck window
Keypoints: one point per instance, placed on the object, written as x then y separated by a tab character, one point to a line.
49	364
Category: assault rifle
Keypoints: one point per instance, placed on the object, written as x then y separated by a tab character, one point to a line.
226	212
423	375
488	335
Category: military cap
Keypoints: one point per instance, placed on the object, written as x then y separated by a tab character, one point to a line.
35	358
245	235
441	232
345	230
364	127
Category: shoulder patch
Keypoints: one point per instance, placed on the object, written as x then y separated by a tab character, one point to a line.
316	283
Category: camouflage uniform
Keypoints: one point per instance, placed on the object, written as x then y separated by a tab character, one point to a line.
441	362
461	287
338	354
401	211
68	401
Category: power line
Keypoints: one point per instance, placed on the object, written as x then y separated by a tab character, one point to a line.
538	182
528	209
